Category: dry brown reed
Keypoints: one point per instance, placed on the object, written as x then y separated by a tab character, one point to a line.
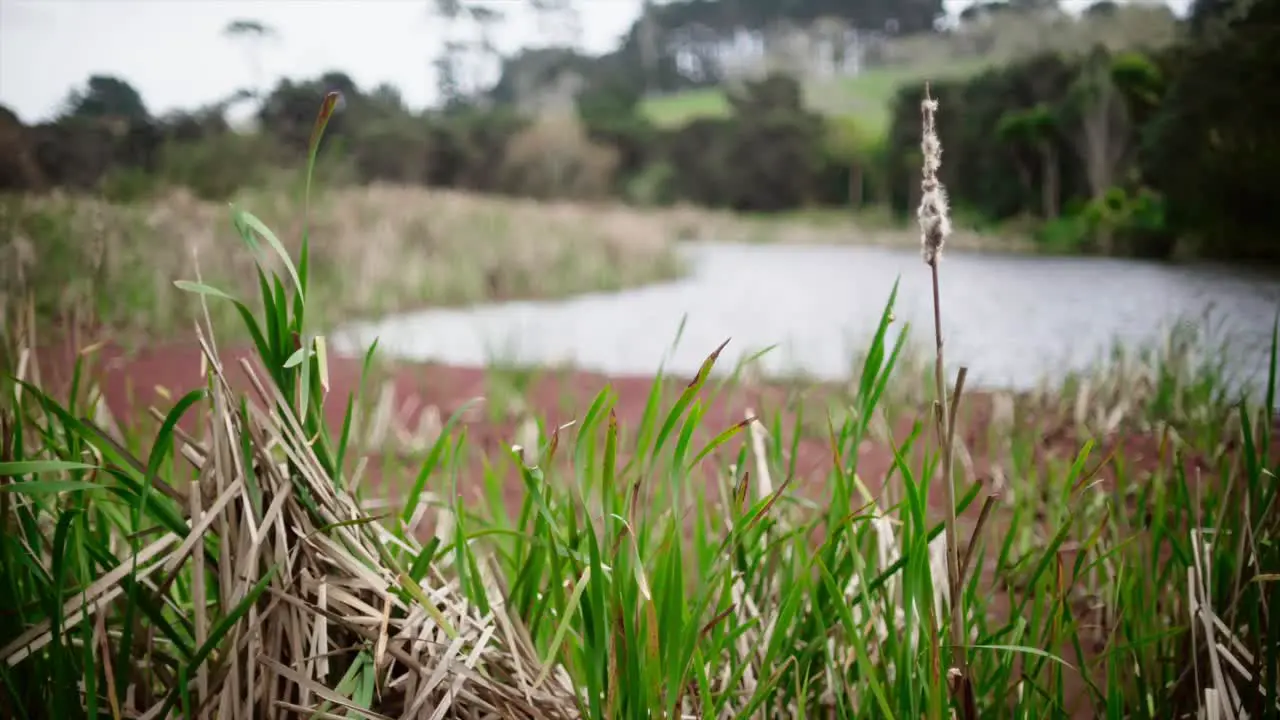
554	158
323	588
373	250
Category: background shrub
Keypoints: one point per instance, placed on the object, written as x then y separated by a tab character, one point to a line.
554	158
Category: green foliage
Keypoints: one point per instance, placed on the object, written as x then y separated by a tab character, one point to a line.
1139	77
215	167
468	148
767	156
795	158
1135	223
978	118
1212	148
854	161
127	185
394	150
1028	126
1184	129
106	97
287	111
612	115
845	141
1137	220
655	185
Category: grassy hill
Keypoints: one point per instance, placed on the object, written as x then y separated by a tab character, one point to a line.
866	96
995	40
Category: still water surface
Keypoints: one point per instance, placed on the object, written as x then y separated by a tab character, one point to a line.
1011	319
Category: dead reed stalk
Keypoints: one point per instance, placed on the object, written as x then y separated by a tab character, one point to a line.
935	226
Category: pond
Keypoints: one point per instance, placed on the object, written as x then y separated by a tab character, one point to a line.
1012	319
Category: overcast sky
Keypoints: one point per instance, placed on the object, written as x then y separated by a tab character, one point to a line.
175	54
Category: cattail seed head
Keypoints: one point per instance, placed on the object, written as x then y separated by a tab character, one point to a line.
934	215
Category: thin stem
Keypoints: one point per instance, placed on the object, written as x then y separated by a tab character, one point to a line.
945	420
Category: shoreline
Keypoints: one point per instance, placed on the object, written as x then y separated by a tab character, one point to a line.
410	401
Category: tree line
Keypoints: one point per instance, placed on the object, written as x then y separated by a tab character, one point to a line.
1129	153
1122	152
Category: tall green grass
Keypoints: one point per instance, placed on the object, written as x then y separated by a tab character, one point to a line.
659	569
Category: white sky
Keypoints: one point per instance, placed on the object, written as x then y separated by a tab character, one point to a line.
174	52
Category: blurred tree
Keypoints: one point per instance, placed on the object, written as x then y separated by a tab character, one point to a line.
385	101
1213	145
1209	19
609	109
486	20
192	125
1102	131
647	44
559	22
106	97
288	112
1102	8
1036	129
536	74
767	156
679	44
468	48
907	16
18	169
1034	5
254	34
448	70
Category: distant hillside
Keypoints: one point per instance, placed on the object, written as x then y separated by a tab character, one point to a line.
865	96
985	38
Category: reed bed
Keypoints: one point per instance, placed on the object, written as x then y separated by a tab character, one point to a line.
373	250
662	569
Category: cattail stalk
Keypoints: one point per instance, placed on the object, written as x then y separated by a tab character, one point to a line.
935	225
